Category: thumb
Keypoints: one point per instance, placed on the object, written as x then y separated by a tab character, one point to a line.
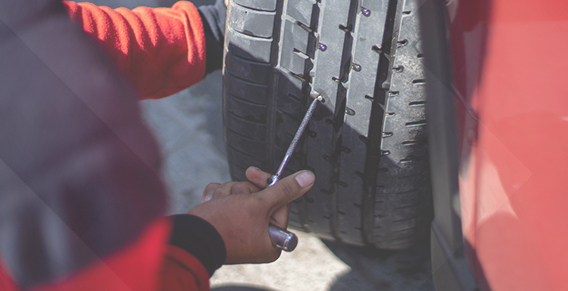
288	189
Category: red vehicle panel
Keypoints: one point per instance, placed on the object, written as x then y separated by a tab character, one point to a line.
510	78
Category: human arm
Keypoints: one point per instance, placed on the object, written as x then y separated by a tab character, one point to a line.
233	219
161	50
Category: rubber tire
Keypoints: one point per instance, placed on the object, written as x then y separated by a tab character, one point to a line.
366	144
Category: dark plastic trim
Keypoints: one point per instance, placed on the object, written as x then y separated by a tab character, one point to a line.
450	270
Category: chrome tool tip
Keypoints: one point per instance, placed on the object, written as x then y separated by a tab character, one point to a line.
317	96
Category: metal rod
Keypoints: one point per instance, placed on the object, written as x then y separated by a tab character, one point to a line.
295	140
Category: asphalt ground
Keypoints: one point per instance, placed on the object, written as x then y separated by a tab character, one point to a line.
189	129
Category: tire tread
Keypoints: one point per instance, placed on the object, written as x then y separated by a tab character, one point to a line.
367	145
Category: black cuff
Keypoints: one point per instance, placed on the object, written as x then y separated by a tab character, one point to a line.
199	238
213	18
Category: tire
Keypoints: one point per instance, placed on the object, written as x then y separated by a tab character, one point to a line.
366	144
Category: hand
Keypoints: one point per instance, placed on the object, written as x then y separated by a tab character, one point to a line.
241	212
260	180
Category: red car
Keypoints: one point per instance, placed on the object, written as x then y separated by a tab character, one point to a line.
499	127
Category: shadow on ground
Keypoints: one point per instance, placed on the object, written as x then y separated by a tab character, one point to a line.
332	265
384	270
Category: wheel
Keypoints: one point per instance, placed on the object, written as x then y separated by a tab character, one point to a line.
366	143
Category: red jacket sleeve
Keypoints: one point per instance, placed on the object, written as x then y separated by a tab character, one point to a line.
182	271
143	265
161	50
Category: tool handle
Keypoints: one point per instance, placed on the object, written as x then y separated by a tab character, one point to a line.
282	239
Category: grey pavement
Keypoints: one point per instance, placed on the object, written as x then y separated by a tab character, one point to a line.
188	127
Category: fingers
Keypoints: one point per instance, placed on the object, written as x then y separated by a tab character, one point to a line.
257	177
288	189
216	190
280	216
242	220
243	188
208	192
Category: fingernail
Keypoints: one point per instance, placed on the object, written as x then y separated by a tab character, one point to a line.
305	179
207	198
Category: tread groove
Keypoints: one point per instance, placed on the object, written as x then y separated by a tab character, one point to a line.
416	123
239	79
244	119
243	100
291	117
251	8
241	152
376	123
249	34
239	58
244	136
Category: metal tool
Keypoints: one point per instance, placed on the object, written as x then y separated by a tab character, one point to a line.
281	238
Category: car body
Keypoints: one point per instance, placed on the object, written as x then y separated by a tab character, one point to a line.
499	129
